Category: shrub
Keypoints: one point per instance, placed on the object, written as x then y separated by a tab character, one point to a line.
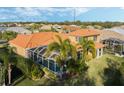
49	73
36	72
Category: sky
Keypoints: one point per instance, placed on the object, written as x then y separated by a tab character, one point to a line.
60	14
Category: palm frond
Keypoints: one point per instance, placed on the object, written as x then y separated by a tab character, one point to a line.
59	39
52	47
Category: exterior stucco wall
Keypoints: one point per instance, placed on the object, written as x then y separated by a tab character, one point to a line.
19	50
91	38
98	54
72	38
98	38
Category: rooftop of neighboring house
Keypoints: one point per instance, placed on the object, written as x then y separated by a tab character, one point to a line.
15	29
18	29
106	34
70	28
46	27
84	32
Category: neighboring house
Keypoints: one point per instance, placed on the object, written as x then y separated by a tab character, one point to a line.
70	28
46	27
114	42
34	45
20	30
3	25
2	29
57	28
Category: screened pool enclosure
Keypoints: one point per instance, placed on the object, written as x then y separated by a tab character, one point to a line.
114	45
38	56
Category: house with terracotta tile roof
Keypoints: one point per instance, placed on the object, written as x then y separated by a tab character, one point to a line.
24	42
89	34
70	28
35	45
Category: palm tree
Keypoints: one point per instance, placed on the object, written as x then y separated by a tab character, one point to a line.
9	59
65	49
88	47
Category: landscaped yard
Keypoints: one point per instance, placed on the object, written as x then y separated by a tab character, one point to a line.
28	82
95	72
97	66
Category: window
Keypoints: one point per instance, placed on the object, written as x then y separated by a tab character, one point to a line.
95	38
77	39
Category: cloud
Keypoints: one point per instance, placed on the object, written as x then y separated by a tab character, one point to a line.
38	13
50	11
80	11
122	8
67	11
27	11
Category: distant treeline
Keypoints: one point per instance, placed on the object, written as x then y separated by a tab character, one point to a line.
103	24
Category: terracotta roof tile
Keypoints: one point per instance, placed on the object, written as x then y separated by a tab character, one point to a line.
84	32
71	28
45	38
98	45
36	39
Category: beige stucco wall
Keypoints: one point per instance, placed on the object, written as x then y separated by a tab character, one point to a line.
19	50
98	38
92	38
97	53
72	38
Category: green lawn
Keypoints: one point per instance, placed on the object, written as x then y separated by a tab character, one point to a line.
97	66
28	82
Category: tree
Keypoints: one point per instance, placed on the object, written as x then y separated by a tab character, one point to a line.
35	26
113	73
24	65
8	35
88	48
65	50
0	35
9	60
78	22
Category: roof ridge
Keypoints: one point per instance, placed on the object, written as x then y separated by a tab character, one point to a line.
36	34
29	40
49	38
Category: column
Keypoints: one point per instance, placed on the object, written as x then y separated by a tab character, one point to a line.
33	56
48	63
101	51
55	66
